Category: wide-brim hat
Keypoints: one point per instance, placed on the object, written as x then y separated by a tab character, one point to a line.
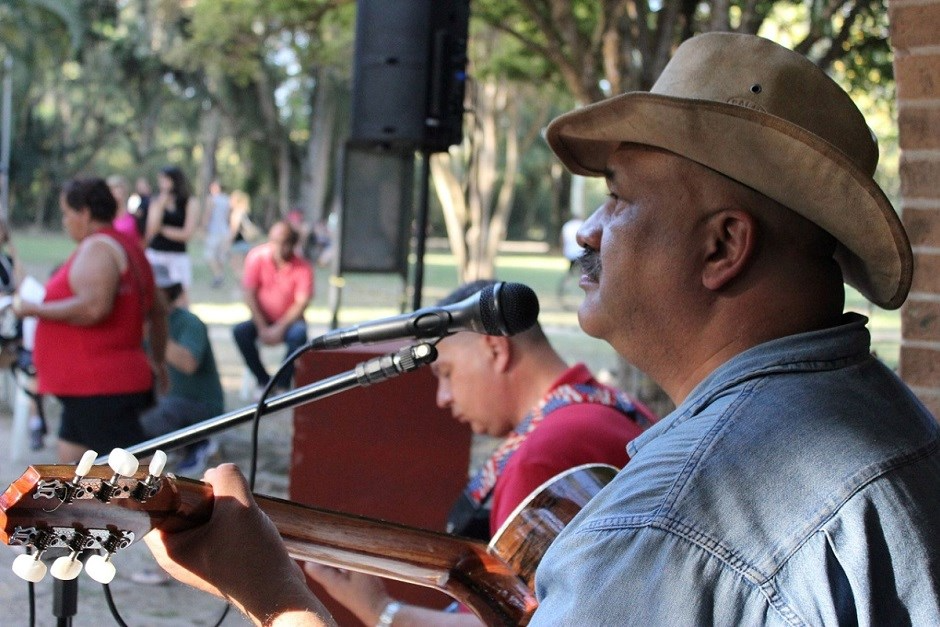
769	118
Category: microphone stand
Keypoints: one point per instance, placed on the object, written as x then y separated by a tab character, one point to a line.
364	374
375	370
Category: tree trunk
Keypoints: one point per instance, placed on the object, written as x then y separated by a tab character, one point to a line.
450	194
211	131
317	166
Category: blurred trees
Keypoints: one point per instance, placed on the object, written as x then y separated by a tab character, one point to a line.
223	88
256	92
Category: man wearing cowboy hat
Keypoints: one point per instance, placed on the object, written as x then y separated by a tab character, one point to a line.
797	481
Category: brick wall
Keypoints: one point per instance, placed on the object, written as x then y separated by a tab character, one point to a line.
915	38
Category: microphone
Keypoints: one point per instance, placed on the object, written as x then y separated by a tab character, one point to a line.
498	309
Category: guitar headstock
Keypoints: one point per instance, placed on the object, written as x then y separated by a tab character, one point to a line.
89	508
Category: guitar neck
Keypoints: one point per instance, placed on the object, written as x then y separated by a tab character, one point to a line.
41	506
462	568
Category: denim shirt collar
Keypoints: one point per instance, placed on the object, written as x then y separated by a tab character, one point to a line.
834	347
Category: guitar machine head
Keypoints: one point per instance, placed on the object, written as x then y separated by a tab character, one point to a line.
46	509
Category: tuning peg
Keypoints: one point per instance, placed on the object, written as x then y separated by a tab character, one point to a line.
157	464
151	483
123	463
100	568
84	466
29	567
66	567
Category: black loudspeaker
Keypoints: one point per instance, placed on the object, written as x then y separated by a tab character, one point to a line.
376	217
409	73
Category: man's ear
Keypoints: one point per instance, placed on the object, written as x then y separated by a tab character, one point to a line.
500	351
731	240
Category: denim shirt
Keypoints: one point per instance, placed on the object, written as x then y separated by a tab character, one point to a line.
799	484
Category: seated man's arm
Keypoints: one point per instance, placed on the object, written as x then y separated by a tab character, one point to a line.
366	597
303	293
180	358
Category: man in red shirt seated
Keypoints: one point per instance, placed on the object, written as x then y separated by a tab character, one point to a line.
278	286
551	417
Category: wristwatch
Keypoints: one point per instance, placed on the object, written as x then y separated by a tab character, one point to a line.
388	614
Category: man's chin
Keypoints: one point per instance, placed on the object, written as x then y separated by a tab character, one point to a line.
586	318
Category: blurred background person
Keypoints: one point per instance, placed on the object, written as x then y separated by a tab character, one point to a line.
321	241
89	347
172	219
569	294
139	203
11	272
13	353
124	220
278	286
195	392
242	232
218	232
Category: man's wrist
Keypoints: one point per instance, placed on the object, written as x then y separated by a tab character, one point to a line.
388	614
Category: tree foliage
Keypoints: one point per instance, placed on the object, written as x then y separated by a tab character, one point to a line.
255	91
596	48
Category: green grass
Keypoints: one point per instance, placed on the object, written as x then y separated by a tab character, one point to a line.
368	296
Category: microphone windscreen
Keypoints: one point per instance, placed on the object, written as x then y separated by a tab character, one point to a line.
508	308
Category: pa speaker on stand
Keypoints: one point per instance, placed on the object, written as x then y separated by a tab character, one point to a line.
409	81
409	73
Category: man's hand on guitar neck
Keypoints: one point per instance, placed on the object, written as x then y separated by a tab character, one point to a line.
366	597
239	556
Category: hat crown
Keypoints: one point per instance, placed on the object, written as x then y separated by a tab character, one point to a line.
762	75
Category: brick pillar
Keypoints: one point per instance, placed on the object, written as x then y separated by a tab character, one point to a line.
915	38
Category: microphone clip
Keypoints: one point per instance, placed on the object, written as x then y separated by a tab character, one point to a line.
391	365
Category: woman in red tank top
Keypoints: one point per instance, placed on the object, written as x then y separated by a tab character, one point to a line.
89	348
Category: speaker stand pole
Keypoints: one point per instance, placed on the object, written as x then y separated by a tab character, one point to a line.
421	228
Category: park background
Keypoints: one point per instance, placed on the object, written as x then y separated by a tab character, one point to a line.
262	96
258	94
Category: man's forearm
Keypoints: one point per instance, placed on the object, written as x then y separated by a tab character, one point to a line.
292	315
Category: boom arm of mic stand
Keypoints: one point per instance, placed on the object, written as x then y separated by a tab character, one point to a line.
366	373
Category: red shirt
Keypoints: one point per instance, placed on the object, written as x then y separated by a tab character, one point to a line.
580	433
104	358
276	289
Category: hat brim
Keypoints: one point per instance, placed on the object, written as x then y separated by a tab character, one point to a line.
758	150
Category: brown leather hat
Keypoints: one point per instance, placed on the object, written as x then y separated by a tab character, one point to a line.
769	118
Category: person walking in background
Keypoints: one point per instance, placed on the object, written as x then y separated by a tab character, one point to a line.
567	285
552	417
195	392
217	227
278	286
89	348
242	232
172	219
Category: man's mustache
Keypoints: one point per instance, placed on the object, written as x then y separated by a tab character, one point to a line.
590	261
